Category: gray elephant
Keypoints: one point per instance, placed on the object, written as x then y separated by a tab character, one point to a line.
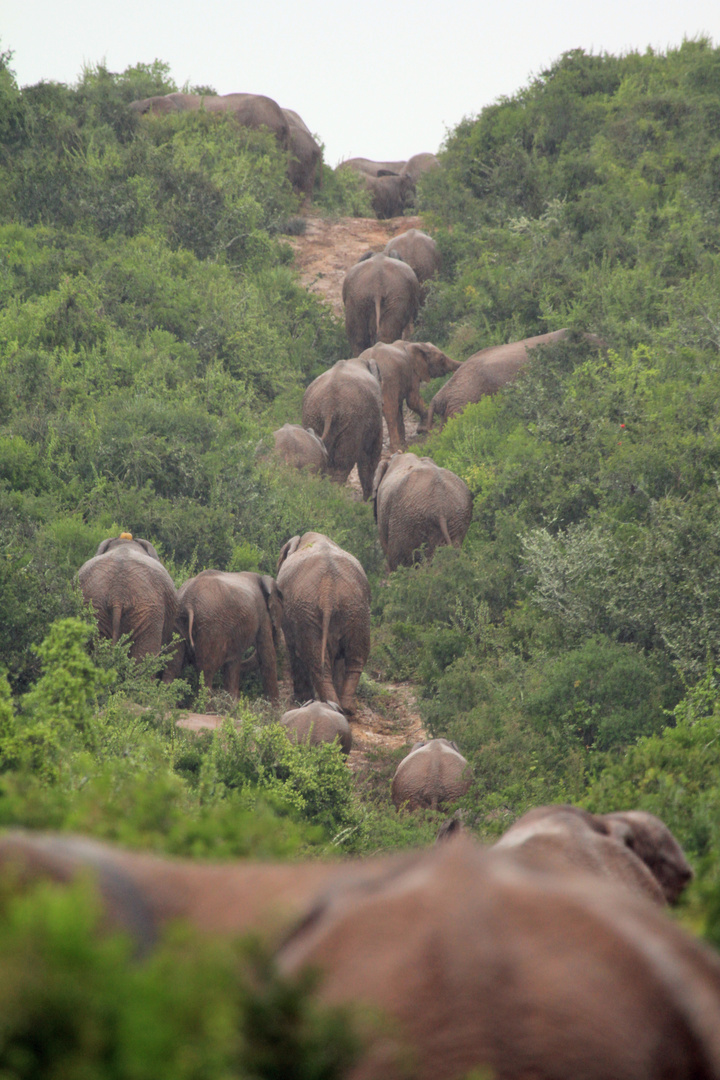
403	366
368	167
250	110
418	250
326	618
223	615
345	405
305	154
418	506
650	839
419	164
432	774
381	297
489	370
390	196
301	448
131	592
318	722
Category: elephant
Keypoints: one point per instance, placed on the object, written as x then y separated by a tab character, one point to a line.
305	155
566	839
381	297
432	774
301	448
132	593
487	371
373	168
419	164
479	967
650	839
418	250
326	618
220	616
403	366
390	195
250	110
318	722
345	404
418	507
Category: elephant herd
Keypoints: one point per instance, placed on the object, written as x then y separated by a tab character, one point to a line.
547	954
391	184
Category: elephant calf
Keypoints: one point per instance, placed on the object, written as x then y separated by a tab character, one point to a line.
418	507
326	618
381	297
419	251
318	722
222	615
432	774
301	448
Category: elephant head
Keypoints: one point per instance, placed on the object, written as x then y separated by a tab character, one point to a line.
127	539
651	840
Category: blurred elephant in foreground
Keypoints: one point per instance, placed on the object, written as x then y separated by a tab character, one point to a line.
223	615
345	405
635	849
481	967
419	251
317	722
305	154
301	448
326	618
432	774
131	592
418	506
403	366
250	110
381	297
487	371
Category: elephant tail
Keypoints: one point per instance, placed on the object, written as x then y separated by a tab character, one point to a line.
378	316
191	616
444	530
326	430
326	613
116	617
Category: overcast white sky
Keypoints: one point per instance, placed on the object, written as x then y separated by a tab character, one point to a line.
382	79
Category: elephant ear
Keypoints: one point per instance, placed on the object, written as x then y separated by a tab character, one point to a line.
148	549
367	255
289	549
104	545
377	480
620	830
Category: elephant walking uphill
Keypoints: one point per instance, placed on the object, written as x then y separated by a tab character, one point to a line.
381	297
250	110
344	404
326	618
305	154
489	370
131	592
418	250
419	506
222	615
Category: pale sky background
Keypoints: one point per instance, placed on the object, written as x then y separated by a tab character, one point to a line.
382	79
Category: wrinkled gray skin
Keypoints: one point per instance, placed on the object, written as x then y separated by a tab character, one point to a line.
390	196
419	164
318	722
488	371
305	154
222	615
345	405
381	297
132	593
418	250
650	839
567	840
301	448
403	366
373	168
433	773
250	110
418	506
326	618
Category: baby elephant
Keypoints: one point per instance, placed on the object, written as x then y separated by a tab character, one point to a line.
433	773
301	448
318	722
418	506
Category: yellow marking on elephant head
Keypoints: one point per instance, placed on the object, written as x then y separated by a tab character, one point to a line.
126	536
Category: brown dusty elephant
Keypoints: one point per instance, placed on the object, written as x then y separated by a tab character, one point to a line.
373	168
650	839
566	839
318	722
222	615
418	506
250	110
381	297
305	154
301	448
480	967
488	371
132	593
326	618
403	366
433	773
418	164
419	251
345	405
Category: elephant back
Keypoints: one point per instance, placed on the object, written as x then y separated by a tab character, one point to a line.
433	773
318	722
